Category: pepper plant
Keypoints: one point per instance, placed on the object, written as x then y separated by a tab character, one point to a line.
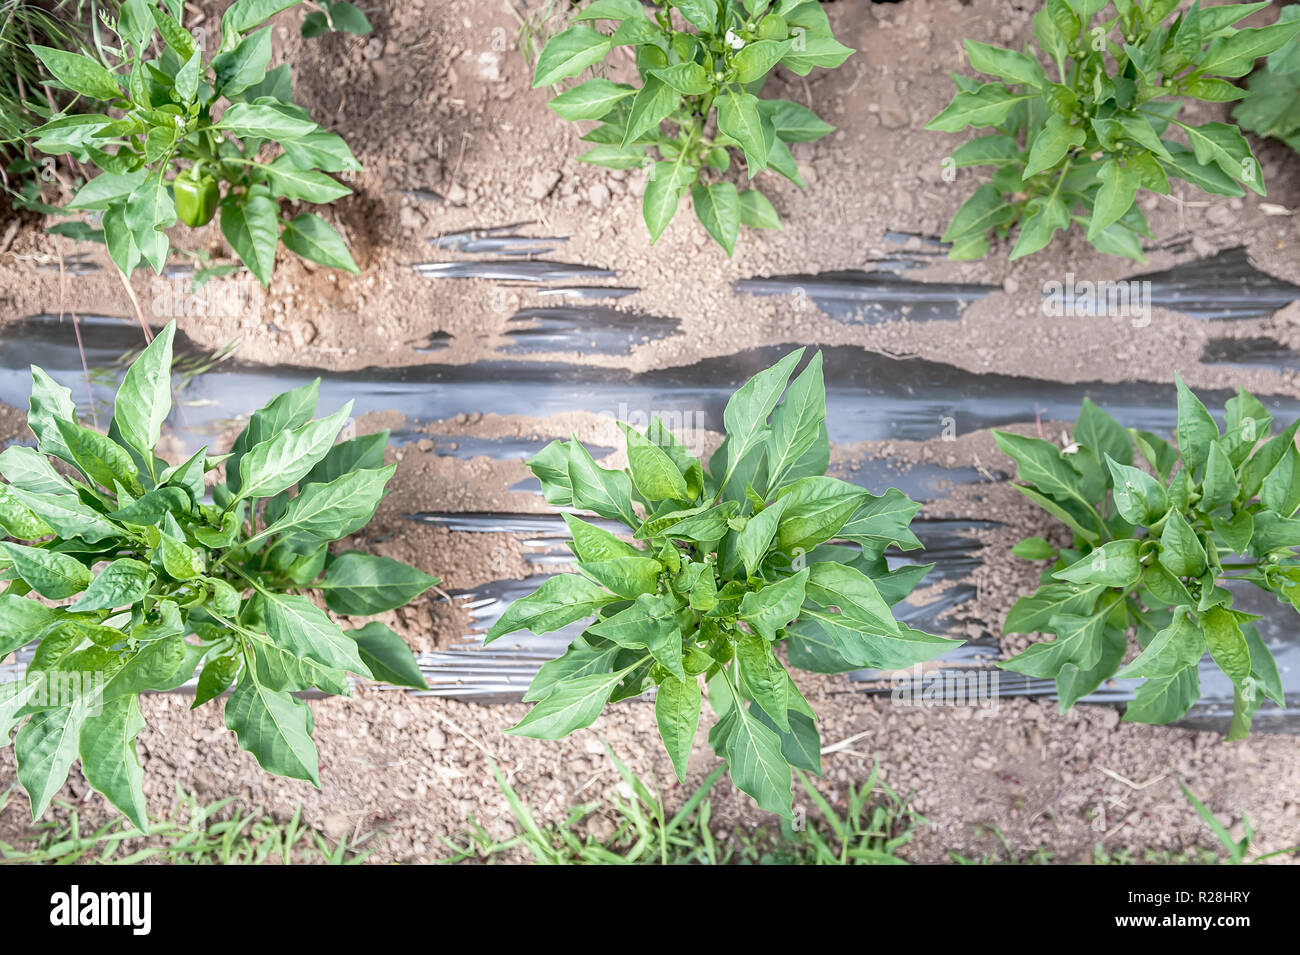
1076	144
724	564
208	123
696	59
167	584
1272	103
1154	549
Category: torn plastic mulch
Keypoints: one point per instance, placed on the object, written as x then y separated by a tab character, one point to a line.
870	396
588	328
1223	286
1253	352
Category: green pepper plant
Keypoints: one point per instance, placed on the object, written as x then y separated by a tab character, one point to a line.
209	124
1075	146
1272	103
166	583
715	66
1152	551
725	564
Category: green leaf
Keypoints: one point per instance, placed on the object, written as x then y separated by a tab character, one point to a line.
360	584
320	150
1114	564
1034	548
298	625
592	543
1073	683
740	118
1186	165
1223	145
104	189
327	512
569	53
123	583
1181	550
628	577
611	10
1052	144
814	49
984	210
668	181
1196	430
280	462
1139	498
763	678
571	705
275	728
1157	451
756	539
1176	647
775	605
585	655
290	182
153	507
652	105
388	657
242	15
677	711
1227	644
745	416
1014	68
44	749
363	453
17	520
1033	613
654	473
100	459
757	212
217	676
991	149
1164	699
1040	462
717	205
602	491
1235	55
251	225
1119	186
67	515
50	403
615	157
758	767
1049	215
238	69
797	422
989	105
1280	491
1079	641
757	58
109	761
816	510
1220	485
79	73
49	573
651	622
270	121
314	239
560	601
595	98
794	123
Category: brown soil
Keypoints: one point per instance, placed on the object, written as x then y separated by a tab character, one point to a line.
439	100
